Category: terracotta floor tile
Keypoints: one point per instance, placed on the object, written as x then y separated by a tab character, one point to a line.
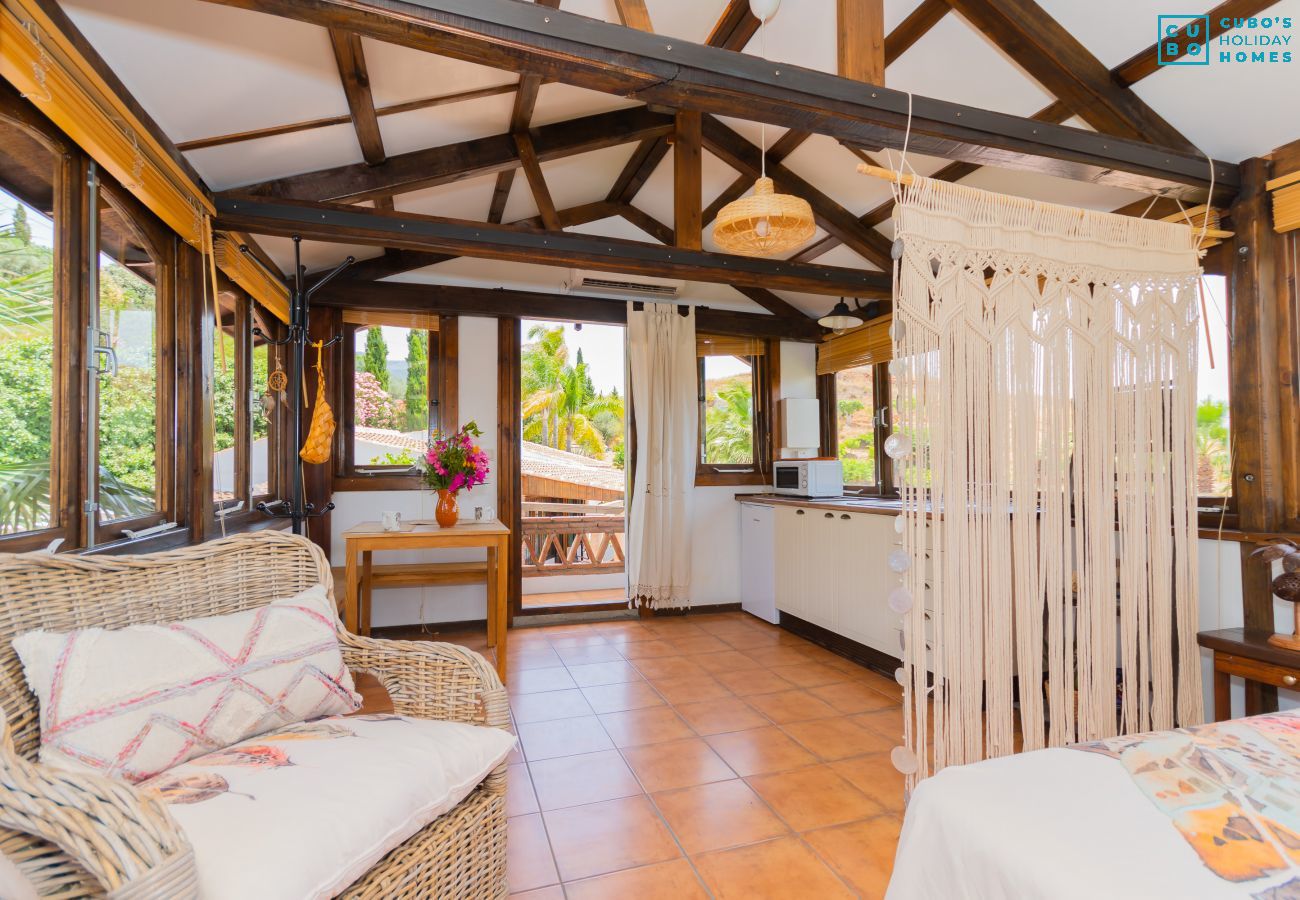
776	656
749	639
862	852
554	892
606	837
617	697
888	722
580	637
563	737
809	674
718	815
650	648
662	767
724	661
520	798
746	682
674	880
876	777
596	653
887	686
837	738
612	672
657	667
774	870
544	707
536	681
760	750
704	643
589	778
529	863
853	697
723	714
637	727
790	706
542	657
690	689
813	797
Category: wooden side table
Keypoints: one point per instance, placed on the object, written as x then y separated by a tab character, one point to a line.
368	537
1247	654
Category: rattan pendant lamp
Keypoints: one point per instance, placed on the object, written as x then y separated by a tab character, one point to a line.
765	222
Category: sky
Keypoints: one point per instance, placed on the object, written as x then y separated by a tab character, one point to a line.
602	350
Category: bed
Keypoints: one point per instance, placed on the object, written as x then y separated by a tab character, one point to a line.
1211	811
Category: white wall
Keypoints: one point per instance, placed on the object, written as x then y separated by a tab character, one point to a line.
478	401
1220	564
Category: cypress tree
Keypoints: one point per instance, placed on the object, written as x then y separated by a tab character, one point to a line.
375	359
417	380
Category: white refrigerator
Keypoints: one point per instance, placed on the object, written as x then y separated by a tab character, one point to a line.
758	561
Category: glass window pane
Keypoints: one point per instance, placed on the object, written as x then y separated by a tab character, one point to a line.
128	400
260	458
387	432
1213	461
26	359
224	381
856	420
728	397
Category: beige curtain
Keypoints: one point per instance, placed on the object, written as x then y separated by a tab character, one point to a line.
662	361
1044	381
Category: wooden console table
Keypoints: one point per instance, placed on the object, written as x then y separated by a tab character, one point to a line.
361	575
1248	655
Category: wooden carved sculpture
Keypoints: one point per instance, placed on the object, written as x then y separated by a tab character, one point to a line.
1285	586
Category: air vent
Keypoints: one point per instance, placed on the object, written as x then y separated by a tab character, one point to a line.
603	285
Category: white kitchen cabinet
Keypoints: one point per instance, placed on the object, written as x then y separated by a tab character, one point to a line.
832	570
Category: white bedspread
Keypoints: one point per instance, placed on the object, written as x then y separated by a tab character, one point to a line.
1054	824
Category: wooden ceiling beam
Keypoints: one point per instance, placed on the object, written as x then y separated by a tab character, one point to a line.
477	301
222	140
860	40
1146	62
772	303
647	223
633	14
453	162
537	181
351	60
1060	63
334	223
688	158
733	149
678	74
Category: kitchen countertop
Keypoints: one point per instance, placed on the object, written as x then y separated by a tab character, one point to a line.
874	505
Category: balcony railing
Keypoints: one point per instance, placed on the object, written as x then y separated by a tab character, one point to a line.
572	545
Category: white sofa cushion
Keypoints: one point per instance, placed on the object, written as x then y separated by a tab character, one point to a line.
305	811
137	701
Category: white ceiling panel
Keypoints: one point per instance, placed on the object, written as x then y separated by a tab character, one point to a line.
691	20
833	170
232	165
468	199
898	10
399	74
202	70
954	62
450	124
656	195
843	256
557	102
586	177
1051	190
1114	30
802	34
520	203
614	227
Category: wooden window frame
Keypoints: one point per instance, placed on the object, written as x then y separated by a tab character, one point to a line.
830	427
766	375
1214	512
444	389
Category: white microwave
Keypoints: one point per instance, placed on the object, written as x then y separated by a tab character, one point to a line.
808	477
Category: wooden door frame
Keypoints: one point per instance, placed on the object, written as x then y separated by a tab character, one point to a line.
509	449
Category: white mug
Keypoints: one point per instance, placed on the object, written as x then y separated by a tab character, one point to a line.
392	521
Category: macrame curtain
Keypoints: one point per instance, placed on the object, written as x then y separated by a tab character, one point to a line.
1044	381
661	360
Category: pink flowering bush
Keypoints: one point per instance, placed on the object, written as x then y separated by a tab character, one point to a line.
375	407
455	462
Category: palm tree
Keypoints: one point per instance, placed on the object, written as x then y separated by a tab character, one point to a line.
561	405
26	283
728	424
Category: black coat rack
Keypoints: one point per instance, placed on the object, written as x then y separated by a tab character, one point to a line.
296	507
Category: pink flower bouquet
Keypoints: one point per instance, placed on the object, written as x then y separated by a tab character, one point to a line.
455	461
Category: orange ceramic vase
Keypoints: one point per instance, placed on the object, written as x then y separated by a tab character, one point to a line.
448	511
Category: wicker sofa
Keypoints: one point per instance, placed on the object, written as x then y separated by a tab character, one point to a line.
73	834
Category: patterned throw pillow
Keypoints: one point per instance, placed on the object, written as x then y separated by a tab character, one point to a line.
134	702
